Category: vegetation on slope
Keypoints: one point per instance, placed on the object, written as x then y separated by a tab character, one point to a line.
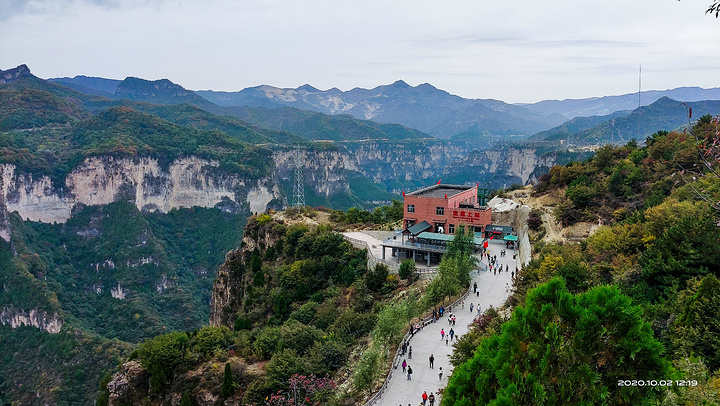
301	304
632	303
164	263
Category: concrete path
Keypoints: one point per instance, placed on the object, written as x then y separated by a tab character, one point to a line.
428	341
374	244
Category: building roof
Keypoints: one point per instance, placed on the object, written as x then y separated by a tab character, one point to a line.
498	229
510	237
445	237
440	190
419	227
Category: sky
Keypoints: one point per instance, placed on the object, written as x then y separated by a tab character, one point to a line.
519	51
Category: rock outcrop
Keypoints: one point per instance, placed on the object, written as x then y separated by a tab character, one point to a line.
187	182
11	75
36	318
510	213
232	279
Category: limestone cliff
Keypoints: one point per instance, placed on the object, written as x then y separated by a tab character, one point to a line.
231	282
504	166
387	161
187	182
37	318
192	181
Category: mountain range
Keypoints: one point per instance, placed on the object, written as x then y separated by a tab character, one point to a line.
119	199
662	115
423	107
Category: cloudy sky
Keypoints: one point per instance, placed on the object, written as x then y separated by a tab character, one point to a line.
517	51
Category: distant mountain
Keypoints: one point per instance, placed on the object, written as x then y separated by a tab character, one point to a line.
423	107
322	127
195	117
160	91
599	106
90	84
11	75
664	114
574	126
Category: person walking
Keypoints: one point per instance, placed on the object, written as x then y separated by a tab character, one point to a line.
431	398
442	334
439	374
409	373
452	334
424	397
410	353
432	360
404	365
471	307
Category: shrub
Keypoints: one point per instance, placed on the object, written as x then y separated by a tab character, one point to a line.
408	270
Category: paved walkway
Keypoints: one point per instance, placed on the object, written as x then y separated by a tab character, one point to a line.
374	244
428	341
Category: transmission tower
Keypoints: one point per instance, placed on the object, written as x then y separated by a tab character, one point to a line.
299	185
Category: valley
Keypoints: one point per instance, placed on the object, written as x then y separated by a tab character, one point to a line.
138	216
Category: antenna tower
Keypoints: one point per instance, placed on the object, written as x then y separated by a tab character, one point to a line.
639	88
299	185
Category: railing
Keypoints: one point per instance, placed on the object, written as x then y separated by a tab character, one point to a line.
396	360
360	244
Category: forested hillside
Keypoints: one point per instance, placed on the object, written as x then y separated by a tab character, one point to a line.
629	316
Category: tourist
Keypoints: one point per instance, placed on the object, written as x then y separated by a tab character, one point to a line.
442	334
409	373
471	307
431	398
439	374
432	360
410	353
452	334
404	365
424	397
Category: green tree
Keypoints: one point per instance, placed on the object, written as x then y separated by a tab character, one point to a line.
186	400
562	349
408	270
163	356
375	279
697	328
227	386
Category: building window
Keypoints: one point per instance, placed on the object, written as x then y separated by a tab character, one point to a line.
440	211
451	228
411	208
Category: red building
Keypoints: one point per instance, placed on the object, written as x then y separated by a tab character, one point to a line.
444	208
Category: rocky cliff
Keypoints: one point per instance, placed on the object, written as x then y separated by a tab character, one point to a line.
187	182
36	318
231	282
192	181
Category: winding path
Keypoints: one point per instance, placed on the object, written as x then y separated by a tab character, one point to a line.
428	341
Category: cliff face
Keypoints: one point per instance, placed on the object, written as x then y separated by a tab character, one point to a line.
388	161
230	284
192	181
187	182
37	318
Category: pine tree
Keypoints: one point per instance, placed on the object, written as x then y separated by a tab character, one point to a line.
185	400
227	388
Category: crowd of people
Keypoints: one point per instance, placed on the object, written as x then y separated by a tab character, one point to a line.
494	266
